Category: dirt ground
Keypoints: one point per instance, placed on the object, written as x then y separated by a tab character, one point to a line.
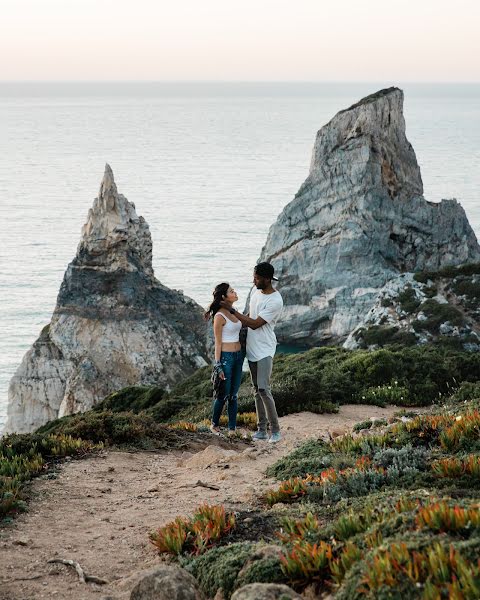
99	511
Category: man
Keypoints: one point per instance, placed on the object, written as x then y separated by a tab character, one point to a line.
265	307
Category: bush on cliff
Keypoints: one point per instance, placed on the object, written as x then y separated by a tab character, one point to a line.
120	429
318	380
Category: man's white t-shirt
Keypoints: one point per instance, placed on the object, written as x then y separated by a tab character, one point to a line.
262	342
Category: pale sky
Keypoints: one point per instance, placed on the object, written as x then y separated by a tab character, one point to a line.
246	40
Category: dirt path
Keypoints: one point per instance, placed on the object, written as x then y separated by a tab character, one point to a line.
99	511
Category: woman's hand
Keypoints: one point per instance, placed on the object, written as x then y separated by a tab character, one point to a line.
222	375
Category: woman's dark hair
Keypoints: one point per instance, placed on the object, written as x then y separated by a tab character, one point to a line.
218	295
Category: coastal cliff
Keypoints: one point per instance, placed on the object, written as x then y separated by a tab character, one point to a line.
357	222
114	324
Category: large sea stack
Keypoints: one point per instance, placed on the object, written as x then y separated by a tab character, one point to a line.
359	220
114	324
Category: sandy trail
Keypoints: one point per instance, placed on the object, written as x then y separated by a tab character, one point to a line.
99	511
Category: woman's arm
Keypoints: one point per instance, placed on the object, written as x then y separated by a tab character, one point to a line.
218	323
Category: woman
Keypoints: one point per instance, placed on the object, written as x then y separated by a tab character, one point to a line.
229	356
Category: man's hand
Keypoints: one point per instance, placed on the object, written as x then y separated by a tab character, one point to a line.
226	304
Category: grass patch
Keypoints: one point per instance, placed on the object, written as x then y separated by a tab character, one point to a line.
25	456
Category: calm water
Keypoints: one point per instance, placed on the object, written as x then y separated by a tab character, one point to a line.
209	166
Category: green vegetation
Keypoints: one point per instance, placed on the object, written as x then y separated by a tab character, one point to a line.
448	273
469	288
196	535
377	335
408	300
394	514
24	456
437	314
120	429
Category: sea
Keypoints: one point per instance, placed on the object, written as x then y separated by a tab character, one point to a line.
208	165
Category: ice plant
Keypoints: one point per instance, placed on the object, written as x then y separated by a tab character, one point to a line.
442	517
295	529
307	562
195	535
288	491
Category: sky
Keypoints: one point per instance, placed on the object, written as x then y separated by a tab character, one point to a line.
242	40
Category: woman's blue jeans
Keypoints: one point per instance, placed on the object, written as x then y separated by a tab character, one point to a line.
232	363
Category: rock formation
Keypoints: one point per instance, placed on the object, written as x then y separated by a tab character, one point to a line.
359	220
114	324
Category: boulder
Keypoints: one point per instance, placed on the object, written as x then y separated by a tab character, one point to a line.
167	582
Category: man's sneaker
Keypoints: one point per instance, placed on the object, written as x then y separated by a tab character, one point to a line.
259	435
275	437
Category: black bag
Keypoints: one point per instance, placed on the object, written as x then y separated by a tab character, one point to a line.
243	337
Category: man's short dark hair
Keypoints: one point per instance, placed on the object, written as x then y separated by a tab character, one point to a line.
265	269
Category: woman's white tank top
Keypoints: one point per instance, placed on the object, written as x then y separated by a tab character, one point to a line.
231	330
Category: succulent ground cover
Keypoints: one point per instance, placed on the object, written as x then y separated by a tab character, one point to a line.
384	514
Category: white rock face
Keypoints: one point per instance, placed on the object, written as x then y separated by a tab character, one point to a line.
358	221
114	324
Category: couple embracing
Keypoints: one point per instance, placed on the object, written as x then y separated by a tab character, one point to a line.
264	309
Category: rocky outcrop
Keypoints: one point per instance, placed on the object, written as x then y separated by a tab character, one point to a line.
167	582
359	220
114	324
442	306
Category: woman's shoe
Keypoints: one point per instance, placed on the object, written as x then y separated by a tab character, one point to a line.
215	429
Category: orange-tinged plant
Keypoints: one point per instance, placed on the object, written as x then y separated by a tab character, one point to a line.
442	517
172	537
438	570
406	505
307	562
349	555
184	426
464	429
295	529
455	467
195	535
364	462
288	491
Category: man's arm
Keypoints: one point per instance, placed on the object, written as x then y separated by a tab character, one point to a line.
244	319
248	321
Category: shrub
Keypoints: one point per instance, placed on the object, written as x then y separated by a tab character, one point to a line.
377	335
117	428
448	272
408	299
402	459
362	425
392	393
195	535
133	399
219	567
437	314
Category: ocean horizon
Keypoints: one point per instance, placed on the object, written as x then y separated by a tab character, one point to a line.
209	165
